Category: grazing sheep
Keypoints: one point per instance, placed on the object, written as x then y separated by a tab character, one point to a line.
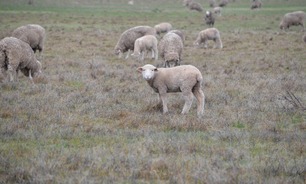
146	43
32	34
217	10
209	18
180	33
170	49
17	55
186	2
209	34
256	4
185	78
223	3
128	37
163	27
212	3
195	6
293	19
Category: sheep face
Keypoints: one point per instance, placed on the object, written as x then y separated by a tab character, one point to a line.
172	63
147	71
171	60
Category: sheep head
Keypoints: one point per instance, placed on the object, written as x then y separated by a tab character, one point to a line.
172	59
147	71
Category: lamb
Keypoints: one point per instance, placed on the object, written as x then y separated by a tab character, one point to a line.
185	78
146	43
256	4
163	27
180	33
293	19
209	34
170	49
209	18
128	38
17	55
32	34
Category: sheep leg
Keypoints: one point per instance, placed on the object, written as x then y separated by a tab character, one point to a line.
163	98
156	54
142	55
128	54
12	72
152	53
188	96
199	94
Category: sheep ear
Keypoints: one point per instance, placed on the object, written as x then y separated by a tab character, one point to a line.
139	69
155	69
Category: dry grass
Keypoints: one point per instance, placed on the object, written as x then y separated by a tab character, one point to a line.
92	119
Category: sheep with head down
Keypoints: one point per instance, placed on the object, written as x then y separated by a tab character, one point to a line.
32	34
17	55
186	79
170	48
209	34
293	19
163	27
127	39
144	44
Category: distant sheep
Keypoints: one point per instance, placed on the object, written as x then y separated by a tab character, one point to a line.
128	38
195	6
217	10
32	34
209	34
170	49
180	33
162	27
293	19
144	44
212	3
223	3
17	55
209	18
256	4
185	78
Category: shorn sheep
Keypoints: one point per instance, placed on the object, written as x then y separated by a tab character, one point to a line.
185	78
17	55
209	34
170	49
32	34
128	38
163	27
144	44
256	4
293	19
209	18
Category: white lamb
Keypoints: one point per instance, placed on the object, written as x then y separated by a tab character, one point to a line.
185	78
144	44
209	34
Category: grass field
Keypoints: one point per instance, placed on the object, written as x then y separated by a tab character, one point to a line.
93	119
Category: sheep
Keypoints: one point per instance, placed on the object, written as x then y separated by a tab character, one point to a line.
293	19
170	49
223	3
128	37
146	43
32	34
195	6
17	55
163	27
209	18
217	10
212	3
209	34
256	4
185	78
180	33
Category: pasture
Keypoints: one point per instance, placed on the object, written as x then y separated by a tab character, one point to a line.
93	119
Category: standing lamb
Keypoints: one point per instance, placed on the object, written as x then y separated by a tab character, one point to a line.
17	55
163	27
293	19
144	44
170	49
256	4
209	18
32	34
209	34
128	38
185	78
